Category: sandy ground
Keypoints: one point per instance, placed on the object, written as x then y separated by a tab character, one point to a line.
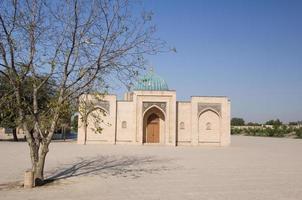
251	168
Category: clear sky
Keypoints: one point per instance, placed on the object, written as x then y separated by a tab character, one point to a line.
248	50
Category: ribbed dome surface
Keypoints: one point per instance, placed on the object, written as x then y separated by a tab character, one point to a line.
151	82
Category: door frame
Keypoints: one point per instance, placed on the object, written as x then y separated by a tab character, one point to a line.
154	126
162	120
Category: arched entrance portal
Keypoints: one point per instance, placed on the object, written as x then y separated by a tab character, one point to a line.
152	135
153	126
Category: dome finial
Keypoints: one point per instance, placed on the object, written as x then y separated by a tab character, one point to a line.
151	68
151	81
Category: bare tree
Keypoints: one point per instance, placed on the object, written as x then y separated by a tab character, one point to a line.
84	45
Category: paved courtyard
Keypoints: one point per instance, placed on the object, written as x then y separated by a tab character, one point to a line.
251	168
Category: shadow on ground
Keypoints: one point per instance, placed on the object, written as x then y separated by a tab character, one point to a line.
103	166
106	166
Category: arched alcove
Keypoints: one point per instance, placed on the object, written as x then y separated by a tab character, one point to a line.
209	126
153	125
98	121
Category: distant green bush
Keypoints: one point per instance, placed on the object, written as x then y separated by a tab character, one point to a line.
235	131
298	132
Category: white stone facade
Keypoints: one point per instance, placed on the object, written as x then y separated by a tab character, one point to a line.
157	118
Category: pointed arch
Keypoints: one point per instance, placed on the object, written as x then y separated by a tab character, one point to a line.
98	123
154	106
98	107
153	125
209	126
209	109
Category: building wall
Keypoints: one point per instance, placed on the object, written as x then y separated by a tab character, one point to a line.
95	104
184	123
125	124
7	134
218	104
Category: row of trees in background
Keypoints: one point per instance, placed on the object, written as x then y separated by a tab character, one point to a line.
274	122
282	131
9	109
271	128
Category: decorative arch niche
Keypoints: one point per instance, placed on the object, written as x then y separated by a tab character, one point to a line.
98	121
209	126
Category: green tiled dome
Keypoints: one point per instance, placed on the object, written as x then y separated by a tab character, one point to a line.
151	81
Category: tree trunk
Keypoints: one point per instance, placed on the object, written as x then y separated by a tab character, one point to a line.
38	167
85	131
15	134
38	174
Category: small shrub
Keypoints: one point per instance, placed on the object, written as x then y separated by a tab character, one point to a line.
235	131
299	132
279	132
270	132
260	132
250	131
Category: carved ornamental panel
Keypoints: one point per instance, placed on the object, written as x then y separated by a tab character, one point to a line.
103	104
147	105
213	106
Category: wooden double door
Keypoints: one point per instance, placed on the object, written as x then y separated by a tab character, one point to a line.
152	131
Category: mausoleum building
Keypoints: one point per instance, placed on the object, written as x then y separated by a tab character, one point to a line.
150	114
